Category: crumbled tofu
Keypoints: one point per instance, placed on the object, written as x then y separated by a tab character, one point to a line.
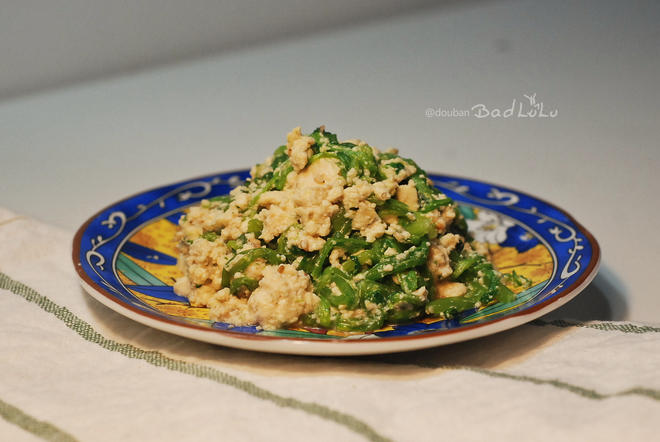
283	295
182	286
449	241
364	215
397	231
351	176
356	193
316	219
442	219
228	308
307	204
438	261
367	221
336	255
276	220
241	197
303	240
320	181
276	197
384	190
256	269
298	148
407	194
422	293
450	289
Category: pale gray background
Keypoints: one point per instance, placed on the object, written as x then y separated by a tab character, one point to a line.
68	152
49	43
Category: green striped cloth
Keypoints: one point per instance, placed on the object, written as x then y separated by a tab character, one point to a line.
71	369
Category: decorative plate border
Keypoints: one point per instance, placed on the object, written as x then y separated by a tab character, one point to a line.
577	256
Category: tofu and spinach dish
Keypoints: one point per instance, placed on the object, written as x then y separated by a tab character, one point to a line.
334	235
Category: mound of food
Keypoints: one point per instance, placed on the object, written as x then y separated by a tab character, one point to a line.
337	235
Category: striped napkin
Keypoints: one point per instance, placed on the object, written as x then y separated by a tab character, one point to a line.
71	369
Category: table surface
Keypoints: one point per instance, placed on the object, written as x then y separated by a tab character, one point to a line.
68	153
